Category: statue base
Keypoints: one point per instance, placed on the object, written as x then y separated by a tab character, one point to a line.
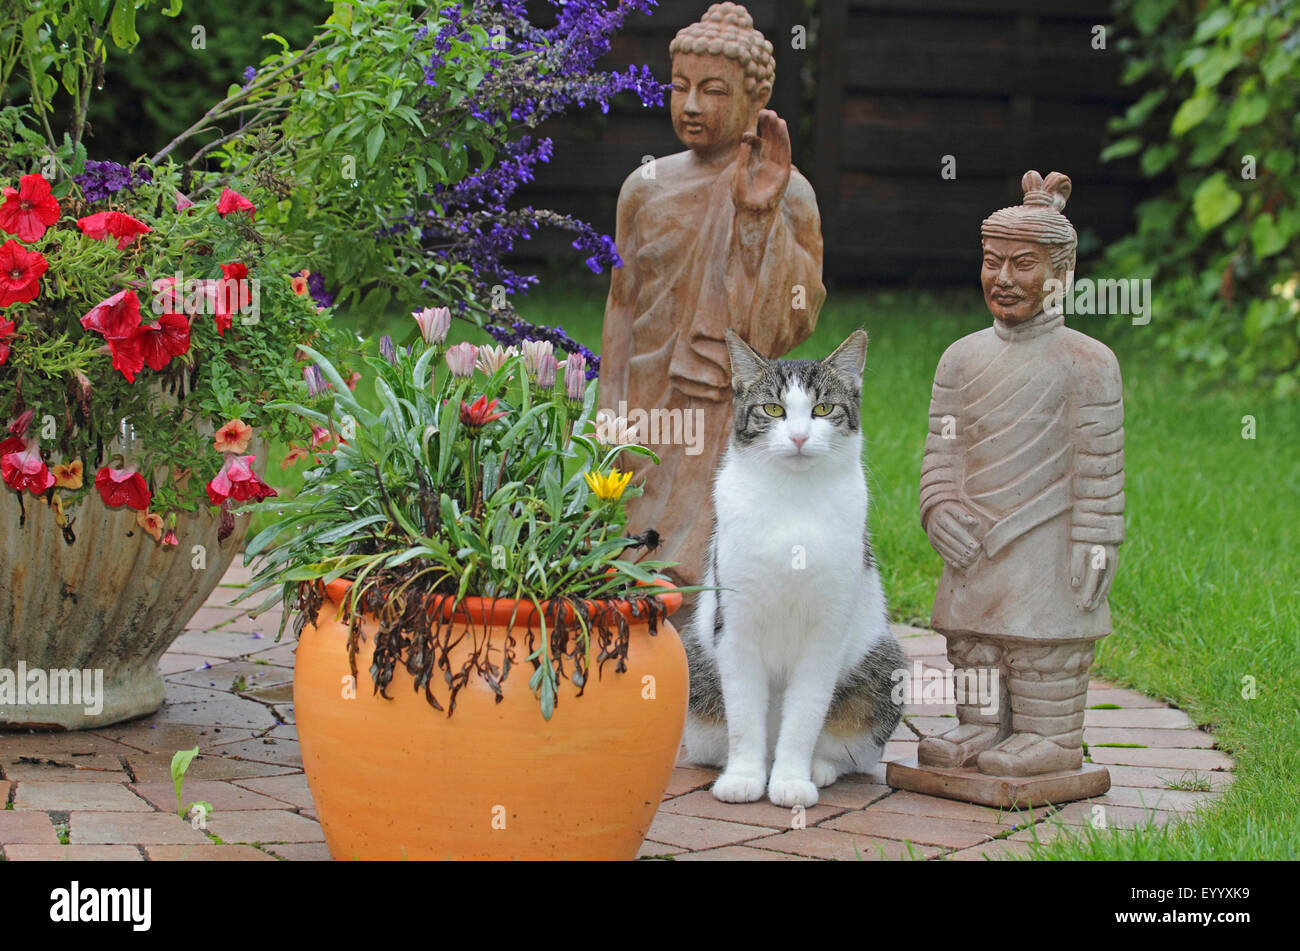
999	792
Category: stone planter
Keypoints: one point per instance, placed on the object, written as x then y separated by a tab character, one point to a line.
113	601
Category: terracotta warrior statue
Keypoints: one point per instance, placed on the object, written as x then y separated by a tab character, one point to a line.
723	235
1022	493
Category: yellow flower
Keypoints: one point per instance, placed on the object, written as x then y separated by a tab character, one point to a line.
608	486
68	476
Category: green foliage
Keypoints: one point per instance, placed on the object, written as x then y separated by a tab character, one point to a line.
181	761
62	44
1219	119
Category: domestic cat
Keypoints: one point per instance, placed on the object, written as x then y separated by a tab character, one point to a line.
791	657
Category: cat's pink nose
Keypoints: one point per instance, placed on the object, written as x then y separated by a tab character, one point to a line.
798	441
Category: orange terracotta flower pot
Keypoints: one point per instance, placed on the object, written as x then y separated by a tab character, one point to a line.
396	779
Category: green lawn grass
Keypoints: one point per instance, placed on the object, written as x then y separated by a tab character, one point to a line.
1207	598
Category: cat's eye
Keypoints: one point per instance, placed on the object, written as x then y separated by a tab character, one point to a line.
774	409
823	409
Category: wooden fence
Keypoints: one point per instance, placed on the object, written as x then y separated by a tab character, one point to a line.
886	92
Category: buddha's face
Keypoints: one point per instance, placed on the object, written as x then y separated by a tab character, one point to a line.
1014	276
709	105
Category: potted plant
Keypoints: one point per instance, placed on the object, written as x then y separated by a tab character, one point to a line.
482	668
142	335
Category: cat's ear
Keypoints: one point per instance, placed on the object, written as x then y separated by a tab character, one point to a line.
850	358
746	364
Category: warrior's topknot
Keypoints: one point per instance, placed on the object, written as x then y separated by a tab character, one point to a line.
1038	218
727	29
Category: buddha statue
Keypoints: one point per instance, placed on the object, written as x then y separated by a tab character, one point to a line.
724	235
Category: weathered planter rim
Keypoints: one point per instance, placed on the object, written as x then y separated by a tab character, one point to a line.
498	611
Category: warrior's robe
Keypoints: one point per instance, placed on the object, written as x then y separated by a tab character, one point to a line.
1035	451
692	267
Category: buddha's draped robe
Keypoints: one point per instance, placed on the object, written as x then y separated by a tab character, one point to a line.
1027	434
694	266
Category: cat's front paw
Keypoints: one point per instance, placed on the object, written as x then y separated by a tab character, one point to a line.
791	792
737	787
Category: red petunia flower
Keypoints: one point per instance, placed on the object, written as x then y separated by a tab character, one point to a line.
128	356
159	342
29	210
119	487
6	334
479	413
231	200
20	272
231	294
25	469
114	224
237	481
117	318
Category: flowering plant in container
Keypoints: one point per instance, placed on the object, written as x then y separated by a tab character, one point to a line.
482	473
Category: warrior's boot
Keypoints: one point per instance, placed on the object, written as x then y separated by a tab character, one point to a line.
1049	689
981	721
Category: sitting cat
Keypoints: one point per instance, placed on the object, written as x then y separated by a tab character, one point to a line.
791	658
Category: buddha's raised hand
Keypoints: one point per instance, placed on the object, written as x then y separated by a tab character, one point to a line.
763	165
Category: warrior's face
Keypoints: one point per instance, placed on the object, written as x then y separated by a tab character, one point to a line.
709	106
1014	276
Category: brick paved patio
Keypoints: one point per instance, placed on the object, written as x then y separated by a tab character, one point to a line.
107	794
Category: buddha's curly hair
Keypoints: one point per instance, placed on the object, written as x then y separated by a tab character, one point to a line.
727	29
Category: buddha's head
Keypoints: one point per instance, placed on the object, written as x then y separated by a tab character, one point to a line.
1025	246
722	76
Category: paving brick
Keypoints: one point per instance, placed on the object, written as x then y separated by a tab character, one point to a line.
134	828
157	768
267	624
223	676
923	830
855	792
651	850
73	853
301	851
688	778
4	793
265	750
1161	719
1182	739
219	643
926	644
60	744
929	709
206	853
1173	800
73	796
898	749
695	833
223	796
281	654
1202	760
92	767
264	825
237	575
916	804
291	788
998	849
702	804
150	736
272	693
26	828
175	662
1123	698
226	711
1155	777
1111	816
187	693
211	616
823	843
929	726
739	853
